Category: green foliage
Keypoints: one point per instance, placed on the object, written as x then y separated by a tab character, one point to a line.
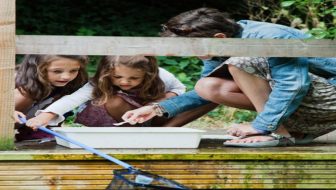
92	66
6	144
70	120
82	31
227	114
241	116
186	69
315	16
223	117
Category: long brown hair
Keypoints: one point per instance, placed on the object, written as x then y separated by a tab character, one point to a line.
32	77
151	88
201	22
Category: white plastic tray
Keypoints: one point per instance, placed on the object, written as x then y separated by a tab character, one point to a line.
131	137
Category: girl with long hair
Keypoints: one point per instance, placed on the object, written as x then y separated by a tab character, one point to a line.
42	79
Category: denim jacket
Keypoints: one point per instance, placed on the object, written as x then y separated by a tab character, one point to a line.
290	77
190	99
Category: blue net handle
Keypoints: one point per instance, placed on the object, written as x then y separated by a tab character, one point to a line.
88	148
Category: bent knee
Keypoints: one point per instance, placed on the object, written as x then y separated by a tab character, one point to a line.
207	87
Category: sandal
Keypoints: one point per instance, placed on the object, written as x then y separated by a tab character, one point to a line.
278	140
307	139
224	137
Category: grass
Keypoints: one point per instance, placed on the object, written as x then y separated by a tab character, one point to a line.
7	143
222	117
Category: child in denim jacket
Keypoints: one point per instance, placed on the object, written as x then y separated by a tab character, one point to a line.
275	105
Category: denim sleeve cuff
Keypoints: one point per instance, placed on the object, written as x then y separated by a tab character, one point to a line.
170	108
262	126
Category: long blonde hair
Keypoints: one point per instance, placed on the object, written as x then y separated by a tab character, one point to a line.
151	88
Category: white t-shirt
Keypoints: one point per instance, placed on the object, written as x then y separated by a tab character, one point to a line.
84	94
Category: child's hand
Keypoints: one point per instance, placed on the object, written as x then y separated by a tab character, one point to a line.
139	115
41	120
16	116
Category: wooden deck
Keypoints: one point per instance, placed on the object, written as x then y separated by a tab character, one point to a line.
211	166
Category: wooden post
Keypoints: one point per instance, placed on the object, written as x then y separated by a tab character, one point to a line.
7	65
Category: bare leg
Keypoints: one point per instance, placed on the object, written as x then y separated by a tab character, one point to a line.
258	94
256	89
184	117
223	91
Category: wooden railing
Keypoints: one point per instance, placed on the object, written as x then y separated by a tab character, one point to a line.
103	45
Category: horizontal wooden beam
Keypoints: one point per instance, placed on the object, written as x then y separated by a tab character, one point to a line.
102	45
173	154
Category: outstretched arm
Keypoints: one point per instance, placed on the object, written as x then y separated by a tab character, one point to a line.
174	105
53	114
169	107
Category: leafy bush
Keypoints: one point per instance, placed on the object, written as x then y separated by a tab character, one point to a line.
315	16
186	69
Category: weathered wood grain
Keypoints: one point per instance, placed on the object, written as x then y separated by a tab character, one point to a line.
205	174
103	45
7	60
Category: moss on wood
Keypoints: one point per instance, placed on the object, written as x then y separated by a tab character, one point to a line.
7	143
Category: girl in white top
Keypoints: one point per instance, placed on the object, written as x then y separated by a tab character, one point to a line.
121	83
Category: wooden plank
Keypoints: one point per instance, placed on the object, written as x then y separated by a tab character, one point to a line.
60	176
194	174
52	152
180	176
172	172
67	187
225	186
7	64
100	45
188	182
226	154
176	165
106	164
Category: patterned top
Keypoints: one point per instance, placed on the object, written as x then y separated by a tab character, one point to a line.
317	112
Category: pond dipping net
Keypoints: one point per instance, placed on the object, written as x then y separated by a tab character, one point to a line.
128	179
124	179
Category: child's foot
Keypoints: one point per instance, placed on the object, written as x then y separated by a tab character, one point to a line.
271	140
243	130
